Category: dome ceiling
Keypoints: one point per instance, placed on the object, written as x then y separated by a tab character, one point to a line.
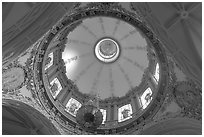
100	52
92	75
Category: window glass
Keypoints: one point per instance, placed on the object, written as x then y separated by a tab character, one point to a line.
49	61
55	87
146	98
72	106
156	74
103	111
124	113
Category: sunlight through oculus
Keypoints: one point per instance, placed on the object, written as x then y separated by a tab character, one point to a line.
107	50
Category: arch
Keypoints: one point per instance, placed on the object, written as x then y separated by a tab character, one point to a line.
176	126
21	119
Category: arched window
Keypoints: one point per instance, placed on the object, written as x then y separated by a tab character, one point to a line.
72	106
103	111
55	87
124	113
49	61
146	98
156	74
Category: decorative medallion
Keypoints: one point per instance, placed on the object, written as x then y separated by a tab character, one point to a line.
13	78
189	98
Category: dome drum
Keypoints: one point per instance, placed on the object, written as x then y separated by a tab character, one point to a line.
57	72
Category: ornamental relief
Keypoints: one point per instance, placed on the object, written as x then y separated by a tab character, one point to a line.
13	78
189	98
18	75
169	109
183	98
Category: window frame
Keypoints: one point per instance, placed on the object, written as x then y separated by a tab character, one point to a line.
142	98
55	80
157	73
51	55
121	109
72	100
103	111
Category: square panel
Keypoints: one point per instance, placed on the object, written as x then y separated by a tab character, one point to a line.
55	87
72	106
124	112
146	98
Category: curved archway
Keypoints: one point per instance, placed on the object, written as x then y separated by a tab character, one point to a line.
21	119
176	126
